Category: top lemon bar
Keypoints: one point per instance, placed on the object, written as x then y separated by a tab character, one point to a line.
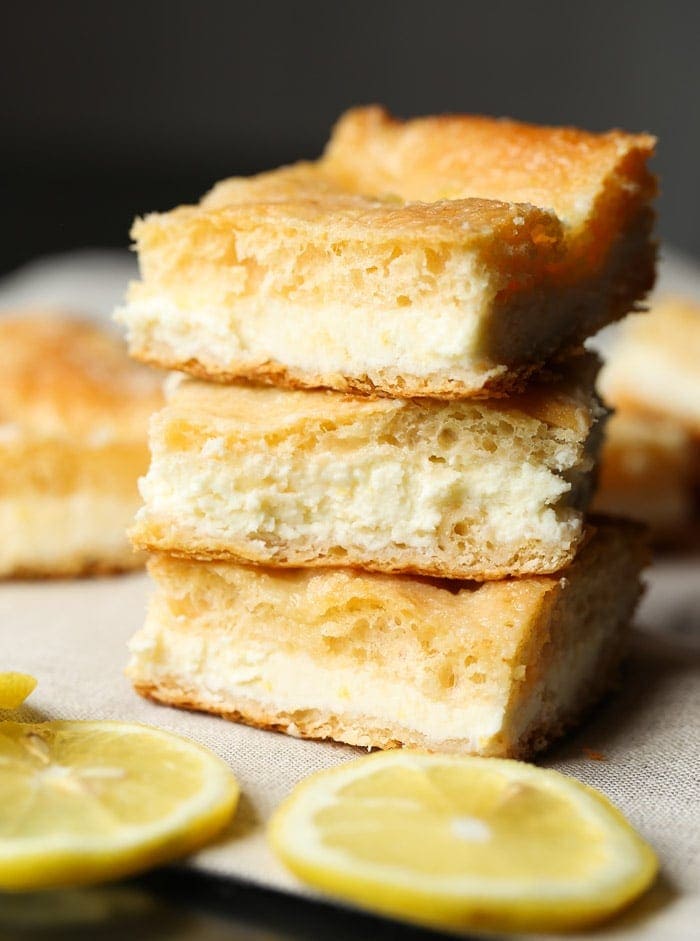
443	256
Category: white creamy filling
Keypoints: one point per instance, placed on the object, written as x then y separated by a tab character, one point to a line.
415	340
289	682
43	531
371	499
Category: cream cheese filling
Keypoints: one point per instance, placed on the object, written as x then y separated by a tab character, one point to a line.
374	500
283	681
331	338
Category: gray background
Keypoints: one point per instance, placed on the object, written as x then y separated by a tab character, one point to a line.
112	109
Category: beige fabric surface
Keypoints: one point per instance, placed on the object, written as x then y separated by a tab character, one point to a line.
72	636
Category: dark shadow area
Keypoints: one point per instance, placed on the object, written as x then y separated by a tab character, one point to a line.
114	110
653	665
188	906
281	916
107	913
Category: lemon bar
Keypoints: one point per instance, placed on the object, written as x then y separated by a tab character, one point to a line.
73	441
654	364
470	489
498	668
448	257
648	471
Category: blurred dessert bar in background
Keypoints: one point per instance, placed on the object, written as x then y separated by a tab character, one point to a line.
73	441
651	457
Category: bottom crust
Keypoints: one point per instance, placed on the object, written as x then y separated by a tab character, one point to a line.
502	383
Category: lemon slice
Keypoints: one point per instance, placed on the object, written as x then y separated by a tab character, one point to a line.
14	689
82	802
462	842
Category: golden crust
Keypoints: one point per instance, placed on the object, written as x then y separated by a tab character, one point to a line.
371	220
519	566
425	165
452	156
522	641
565	402
62	376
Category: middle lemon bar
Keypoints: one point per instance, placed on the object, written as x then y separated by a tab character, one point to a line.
462	489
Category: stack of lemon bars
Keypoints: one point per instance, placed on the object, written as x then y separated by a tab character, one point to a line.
366	504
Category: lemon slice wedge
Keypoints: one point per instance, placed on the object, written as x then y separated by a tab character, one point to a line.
462	842
82	802
14	689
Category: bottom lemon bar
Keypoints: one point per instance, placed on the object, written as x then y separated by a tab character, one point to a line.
499	668
649	472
